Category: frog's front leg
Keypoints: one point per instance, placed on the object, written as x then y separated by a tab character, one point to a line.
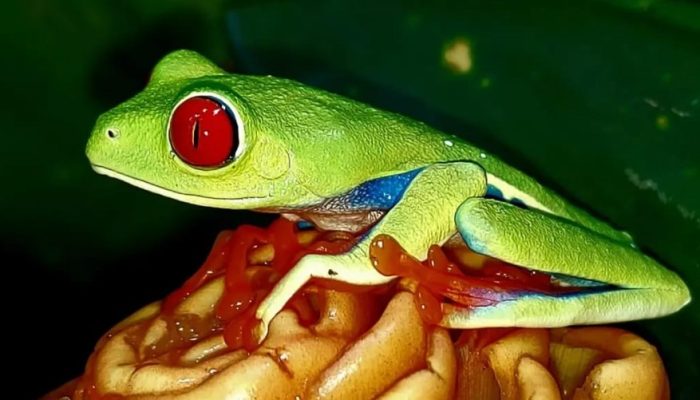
424	215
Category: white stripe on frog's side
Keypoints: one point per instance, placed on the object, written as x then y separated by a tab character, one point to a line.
511	193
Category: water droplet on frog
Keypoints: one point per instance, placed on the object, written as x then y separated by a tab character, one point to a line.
482	155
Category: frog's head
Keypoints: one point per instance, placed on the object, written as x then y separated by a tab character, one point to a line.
200	135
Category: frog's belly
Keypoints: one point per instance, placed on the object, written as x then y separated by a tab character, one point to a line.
353	222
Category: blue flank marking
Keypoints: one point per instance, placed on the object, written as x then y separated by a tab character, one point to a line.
493	192
585	286
584	291
380	193
518	203
304	225
578	282
522	294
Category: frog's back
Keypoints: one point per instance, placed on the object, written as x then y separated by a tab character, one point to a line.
361	143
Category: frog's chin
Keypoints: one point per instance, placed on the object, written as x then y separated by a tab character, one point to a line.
229	203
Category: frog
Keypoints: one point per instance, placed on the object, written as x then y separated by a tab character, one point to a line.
200	135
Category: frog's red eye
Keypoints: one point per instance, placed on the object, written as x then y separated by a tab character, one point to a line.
203	133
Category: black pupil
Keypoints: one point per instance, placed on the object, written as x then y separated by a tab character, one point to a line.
195	134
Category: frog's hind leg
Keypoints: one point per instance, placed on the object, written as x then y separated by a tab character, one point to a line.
424	215
616	281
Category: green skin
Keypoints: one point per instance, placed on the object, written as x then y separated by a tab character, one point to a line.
302	147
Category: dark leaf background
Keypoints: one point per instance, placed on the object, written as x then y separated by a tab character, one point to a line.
599	100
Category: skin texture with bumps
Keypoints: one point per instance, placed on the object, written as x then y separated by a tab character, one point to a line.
301	146
295	135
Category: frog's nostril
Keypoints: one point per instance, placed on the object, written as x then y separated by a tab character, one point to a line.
112	133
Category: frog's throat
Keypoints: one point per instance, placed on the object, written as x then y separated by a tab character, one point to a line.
217	202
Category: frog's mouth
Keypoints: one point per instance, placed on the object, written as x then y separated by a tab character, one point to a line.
206	201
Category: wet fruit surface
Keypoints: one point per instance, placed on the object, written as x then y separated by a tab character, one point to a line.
335	341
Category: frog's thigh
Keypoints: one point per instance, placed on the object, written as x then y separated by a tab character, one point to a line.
426	212
423	216
641	288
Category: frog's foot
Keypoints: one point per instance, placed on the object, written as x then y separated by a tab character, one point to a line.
348	268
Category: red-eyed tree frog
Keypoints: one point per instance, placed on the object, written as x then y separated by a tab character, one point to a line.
200	135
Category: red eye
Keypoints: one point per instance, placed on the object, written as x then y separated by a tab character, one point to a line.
203	133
